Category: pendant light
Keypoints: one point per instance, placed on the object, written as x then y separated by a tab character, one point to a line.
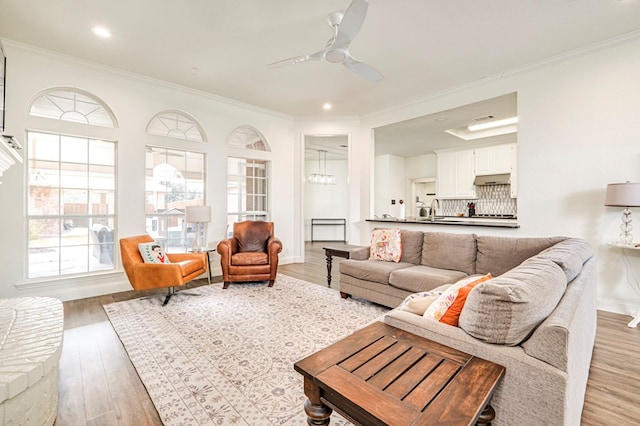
322	178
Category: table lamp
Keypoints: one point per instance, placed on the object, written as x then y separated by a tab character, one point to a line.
198	215
624	195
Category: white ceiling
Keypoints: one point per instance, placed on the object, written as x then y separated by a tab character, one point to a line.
421	46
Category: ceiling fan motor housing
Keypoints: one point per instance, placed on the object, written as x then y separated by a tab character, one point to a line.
335	56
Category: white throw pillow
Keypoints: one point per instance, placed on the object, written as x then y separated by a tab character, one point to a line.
418	303
152	253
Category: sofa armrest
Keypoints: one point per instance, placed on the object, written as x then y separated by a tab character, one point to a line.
360	253
566	337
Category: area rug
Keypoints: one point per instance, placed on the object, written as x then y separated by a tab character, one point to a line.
225	357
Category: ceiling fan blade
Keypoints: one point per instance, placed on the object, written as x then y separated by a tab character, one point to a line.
351	23
362	69
297	60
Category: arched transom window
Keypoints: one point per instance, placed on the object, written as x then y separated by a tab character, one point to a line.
176	124
77	106
247	137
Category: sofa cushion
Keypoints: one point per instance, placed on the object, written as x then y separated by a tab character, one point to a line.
506	309
569	255
449	251
370	270
499	254
417	278
411	246
385	245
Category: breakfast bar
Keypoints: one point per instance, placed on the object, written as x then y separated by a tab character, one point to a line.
494	222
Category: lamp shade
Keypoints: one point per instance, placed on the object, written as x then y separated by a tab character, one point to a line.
198	214
623	195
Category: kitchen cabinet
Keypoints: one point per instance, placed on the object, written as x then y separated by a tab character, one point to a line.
455	174
496	159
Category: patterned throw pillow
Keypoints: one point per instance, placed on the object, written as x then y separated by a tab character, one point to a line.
386	245
152	253
417	303
438	308
452	315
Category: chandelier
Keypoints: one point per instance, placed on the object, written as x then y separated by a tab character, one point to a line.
322	178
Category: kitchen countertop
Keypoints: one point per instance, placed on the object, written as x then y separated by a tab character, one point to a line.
454	220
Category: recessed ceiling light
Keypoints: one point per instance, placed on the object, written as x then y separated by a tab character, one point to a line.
327	106
492	124
101	32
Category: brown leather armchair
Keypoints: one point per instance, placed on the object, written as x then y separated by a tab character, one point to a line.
184	267
251	254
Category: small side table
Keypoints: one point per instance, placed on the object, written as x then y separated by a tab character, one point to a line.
636	320
340	251
206	250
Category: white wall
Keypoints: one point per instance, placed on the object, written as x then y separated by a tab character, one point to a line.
390	184
578	131
134	101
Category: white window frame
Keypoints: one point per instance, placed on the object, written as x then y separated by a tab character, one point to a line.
69	112
242	191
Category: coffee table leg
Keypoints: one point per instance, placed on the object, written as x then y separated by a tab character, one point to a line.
487	416
329	260
317	413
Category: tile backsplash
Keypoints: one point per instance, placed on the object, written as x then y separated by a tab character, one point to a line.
493	199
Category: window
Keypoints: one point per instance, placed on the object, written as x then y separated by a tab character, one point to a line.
247	190
72	105
176	124
248	180
71	204
247	137
175	179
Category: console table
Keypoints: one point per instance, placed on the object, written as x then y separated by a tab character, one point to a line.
330	222
382	375
636	247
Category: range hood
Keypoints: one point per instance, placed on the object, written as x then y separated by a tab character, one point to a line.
501	179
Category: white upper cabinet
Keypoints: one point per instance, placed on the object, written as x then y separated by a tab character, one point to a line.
496	159
455	174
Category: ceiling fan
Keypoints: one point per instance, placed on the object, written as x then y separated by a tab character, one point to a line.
346	27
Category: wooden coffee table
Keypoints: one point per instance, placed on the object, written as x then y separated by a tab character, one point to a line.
381	375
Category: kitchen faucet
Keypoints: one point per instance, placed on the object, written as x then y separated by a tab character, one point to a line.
432	215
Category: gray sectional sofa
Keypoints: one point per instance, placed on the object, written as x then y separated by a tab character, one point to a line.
536	317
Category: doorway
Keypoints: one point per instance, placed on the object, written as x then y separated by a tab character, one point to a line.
326	188
423	191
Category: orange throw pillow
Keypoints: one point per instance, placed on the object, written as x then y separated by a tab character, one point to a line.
452	315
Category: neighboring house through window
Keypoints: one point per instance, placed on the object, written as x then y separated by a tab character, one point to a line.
71	191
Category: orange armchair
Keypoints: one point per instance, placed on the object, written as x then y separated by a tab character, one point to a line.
184	267
251	254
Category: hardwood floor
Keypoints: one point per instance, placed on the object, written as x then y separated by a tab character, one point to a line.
99	385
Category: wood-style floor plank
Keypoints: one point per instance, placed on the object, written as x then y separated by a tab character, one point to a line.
99	385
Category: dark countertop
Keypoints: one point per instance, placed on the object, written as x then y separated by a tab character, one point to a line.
454	220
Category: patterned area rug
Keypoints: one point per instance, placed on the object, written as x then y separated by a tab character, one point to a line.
226	357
